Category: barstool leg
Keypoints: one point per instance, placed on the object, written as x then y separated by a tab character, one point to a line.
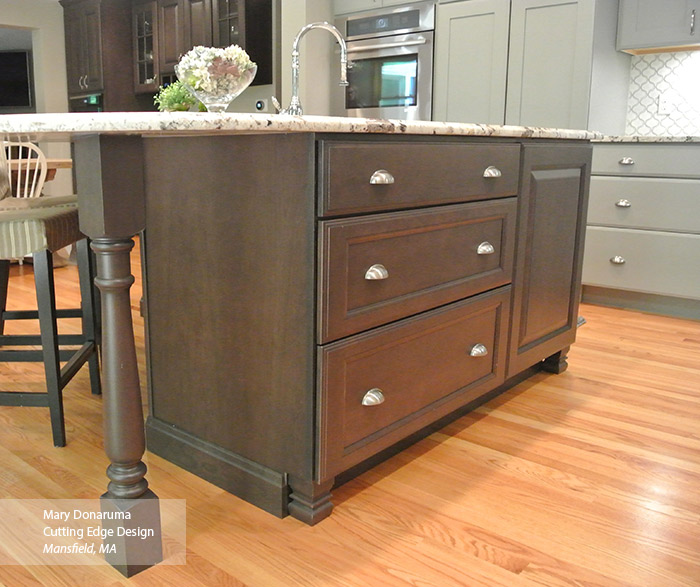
88	293
46	305
4	284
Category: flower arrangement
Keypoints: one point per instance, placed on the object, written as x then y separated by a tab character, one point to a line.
215	72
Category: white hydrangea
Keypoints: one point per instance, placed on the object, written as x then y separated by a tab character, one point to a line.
215	70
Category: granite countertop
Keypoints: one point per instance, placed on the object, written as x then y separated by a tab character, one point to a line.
648	139
63	126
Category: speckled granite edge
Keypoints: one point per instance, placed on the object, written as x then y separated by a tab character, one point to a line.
64	125
648	139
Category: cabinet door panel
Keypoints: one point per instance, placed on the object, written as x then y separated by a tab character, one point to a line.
171	25
648	24
74	27
198	23
471	59
93	48
550	63
549	252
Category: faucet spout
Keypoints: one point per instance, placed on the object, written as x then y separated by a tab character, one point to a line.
295	104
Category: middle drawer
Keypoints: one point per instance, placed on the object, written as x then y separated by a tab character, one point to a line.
377	269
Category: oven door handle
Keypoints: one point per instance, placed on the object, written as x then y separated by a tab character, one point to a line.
418	41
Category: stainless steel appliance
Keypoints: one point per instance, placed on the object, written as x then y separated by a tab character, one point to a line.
391	52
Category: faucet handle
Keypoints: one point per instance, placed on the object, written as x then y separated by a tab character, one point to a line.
277	105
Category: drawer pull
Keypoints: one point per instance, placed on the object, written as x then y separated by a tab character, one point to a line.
617	260
373	397
485	248
626	161
623	203
376	272
478	350
381	177
492	171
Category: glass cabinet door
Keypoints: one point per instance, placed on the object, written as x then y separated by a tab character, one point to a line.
145	41
229	19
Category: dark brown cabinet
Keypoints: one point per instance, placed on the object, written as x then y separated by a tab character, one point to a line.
99	43
183	24
145	32
547	283
83	30
333	316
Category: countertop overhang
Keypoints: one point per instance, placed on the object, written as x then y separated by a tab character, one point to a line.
64	126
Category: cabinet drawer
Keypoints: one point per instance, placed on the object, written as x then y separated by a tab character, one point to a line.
419	260
423	367
647	159
654	262
422	174
651	203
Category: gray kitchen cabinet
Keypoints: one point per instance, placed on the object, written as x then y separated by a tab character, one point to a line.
471	61
530	62
647	26
643	235
348	6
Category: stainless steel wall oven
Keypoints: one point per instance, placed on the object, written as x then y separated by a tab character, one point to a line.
391	52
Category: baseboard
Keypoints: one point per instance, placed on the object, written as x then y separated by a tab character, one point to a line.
263	487
643	302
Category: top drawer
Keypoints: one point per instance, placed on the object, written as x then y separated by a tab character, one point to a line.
647	159
412	174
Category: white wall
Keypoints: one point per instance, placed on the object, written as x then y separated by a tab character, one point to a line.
44	18
317	55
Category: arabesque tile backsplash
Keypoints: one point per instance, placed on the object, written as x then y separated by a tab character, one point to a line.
664	95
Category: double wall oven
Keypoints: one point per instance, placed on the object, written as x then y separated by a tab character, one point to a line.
391	52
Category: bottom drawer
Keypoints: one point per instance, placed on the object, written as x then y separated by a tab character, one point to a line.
378	387
643	260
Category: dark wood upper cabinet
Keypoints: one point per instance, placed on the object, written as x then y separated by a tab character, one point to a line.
198	23
99	43
171	37
83	30
145	35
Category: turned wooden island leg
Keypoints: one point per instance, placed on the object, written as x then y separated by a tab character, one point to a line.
124	437
111	200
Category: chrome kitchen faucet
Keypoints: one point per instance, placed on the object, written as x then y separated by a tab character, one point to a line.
295	103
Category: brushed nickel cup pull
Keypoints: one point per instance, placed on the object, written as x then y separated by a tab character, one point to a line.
376	272
373	397
623	203
617	260
478	350
381	177
485	248
626	161
492	171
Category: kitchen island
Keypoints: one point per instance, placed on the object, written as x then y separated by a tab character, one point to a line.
318	290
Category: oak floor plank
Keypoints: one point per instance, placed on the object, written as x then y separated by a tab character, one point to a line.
588	478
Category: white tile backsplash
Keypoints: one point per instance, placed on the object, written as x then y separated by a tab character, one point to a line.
664	95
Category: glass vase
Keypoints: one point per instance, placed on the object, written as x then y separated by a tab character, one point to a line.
228	88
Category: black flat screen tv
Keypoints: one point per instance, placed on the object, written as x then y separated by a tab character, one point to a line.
16	82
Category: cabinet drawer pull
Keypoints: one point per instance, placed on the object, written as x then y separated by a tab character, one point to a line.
617	260
373	397
485	248
478	350
381	177
626	161
623	203
376	272
492	171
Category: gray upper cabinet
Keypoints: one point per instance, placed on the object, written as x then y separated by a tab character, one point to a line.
347	6
647	26
545	63
471	61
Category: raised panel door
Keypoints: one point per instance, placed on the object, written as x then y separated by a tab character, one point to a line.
198	23
93	48
549	252
171	33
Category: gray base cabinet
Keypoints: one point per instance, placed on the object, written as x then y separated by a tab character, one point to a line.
315	317
644	220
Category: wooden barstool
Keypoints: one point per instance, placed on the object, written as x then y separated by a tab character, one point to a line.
39	226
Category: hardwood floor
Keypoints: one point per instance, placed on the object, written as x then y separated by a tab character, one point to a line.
591	477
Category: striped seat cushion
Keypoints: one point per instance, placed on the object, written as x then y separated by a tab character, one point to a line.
26	231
